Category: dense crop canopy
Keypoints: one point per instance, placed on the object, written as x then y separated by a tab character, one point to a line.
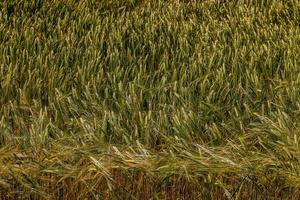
140	99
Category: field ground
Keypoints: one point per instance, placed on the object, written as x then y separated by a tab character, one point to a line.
149	99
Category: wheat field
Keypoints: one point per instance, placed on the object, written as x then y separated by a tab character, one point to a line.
149	99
